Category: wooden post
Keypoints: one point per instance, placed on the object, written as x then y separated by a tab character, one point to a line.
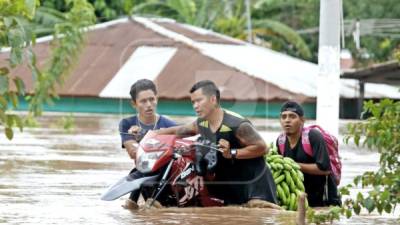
301	209
361	98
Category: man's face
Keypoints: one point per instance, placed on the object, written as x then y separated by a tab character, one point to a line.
202	104
145	103
291	122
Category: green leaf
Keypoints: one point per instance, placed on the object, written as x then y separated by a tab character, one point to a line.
385	195
344	191
8	21
357	208
31	57
388	208
369	204
14	99
9	133
4	71
348	213
10	120
19	122
357	139
3	84
379	207
360	197
357	180
3	102
2	116
19	83
30	6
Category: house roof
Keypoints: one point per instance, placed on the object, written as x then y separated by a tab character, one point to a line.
175	56
382	73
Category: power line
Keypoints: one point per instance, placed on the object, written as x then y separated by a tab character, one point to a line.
373	27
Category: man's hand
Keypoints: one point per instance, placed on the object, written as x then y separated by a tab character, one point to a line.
131	148
225	148
134	130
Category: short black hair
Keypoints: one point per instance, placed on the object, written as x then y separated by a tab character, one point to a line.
292	106
142	85
208	88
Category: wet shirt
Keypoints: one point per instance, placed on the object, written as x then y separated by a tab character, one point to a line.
237	180
126	123
314	184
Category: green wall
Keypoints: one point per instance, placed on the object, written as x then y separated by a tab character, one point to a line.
168	107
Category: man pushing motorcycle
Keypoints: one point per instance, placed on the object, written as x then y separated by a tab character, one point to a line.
241	175
132	129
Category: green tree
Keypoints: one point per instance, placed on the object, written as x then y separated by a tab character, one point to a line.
228	17
380	131
196	12
380	26
224	16
105	10
17	35
276	21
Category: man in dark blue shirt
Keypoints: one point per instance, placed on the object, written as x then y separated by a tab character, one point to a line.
132	129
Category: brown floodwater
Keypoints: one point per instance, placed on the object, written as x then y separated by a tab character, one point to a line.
52	177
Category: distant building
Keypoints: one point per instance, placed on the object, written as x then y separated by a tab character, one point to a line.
254	80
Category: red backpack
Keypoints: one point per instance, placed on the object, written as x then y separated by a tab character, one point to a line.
331	144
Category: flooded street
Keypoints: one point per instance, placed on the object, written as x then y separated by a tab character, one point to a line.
50	177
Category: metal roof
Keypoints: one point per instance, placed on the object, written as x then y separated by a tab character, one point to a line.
383	73
120	52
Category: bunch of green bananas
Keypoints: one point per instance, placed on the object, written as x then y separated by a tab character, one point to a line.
288	179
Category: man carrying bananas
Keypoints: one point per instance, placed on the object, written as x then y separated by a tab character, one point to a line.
319	185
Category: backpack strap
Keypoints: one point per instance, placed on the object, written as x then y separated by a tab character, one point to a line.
281	143
305	140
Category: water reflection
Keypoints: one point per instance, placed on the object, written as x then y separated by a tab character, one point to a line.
50	177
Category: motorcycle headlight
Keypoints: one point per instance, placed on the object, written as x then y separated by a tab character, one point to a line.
146	160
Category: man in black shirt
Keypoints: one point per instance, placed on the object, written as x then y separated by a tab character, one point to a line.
316	168
241	172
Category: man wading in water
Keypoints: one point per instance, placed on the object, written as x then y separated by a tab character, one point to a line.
318	181
133	129
241	171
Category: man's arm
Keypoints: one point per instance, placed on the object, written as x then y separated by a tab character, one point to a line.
312	169
254	145
131	148
182	130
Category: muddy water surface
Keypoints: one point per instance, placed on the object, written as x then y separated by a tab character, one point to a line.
50	177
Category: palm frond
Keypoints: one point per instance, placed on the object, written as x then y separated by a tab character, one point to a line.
274	28
151	8
158	9
45	15
274	8
186	8
45	20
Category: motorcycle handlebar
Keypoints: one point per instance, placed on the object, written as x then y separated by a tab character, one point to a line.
208	146
194	144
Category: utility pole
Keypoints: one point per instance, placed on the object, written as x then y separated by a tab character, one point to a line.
328	81
357	34
249	27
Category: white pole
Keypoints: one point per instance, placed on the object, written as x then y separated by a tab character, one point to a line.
329	66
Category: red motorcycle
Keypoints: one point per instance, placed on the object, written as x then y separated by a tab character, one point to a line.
178	168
